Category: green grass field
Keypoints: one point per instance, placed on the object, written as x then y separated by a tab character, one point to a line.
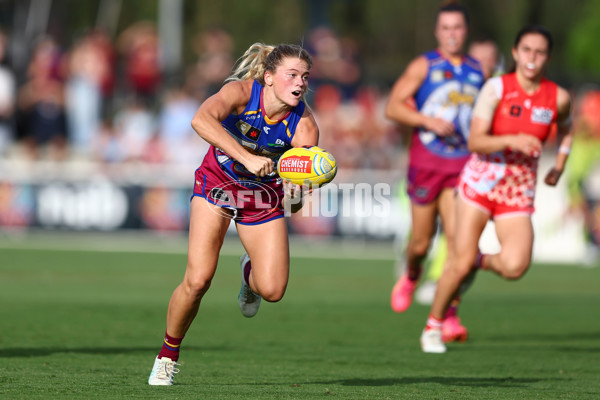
88	324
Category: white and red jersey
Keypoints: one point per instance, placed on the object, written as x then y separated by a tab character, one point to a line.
509	177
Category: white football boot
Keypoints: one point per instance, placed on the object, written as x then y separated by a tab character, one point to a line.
247	299
426	292
162	372
431	341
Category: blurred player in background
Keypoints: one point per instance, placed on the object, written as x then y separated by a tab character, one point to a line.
583	173
255	117
486	52
444	84
512	118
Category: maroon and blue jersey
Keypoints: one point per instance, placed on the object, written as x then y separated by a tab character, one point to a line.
225	182
258	134
448	92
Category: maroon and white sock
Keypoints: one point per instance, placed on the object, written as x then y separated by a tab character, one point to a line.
170	348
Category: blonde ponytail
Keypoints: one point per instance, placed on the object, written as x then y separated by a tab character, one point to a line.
252	64
261	57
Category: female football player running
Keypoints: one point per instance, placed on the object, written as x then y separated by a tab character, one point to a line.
256	116
443	84
512	118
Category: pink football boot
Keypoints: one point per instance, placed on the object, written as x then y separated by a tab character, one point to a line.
402	294
453	330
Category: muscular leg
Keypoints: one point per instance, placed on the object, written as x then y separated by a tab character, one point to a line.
467	233
447	210
207	231
423	229
268	248
515	235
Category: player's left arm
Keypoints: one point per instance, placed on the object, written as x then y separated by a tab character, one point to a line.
564	136
307	134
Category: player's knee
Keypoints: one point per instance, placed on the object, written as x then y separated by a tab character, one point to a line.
272	292
197	284
461	267
515	268
419	247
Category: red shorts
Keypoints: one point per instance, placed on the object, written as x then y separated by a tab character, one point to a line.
251	202
425	185
494	209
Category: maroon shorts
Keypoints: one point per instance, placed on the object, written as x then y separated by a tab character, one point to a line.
251	202
425	185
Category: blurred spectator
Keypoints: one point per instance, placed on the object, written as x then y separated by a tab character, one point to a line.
181	143
214	49
7	98
138	45
41	101
355	130
107	144
88	70
334	61
135	125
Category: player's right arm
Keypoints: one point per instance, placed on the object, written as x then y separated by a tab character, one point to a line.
232	97
397	108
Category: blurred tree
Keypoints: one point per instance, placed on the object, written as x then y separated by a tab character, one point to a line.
582	53
389	33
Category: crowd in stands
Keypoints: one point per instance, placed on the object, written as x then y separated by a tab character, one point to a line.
108	100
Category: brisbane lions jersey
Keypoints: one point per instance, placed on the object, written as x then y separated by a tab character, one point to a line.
448	92
258	134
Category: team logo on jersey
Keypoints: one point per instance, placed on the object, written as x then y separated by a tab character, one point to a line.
456	97
541	115
448	74
248	130
515	110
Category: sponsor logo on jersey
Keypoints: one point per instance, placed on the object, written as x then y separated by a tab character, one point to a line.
511	95
541	115
437	75
515	110
278	143
296	164
249	145
248	130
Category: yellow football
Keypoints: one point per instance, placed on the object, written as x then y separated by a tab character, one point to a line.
308	165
